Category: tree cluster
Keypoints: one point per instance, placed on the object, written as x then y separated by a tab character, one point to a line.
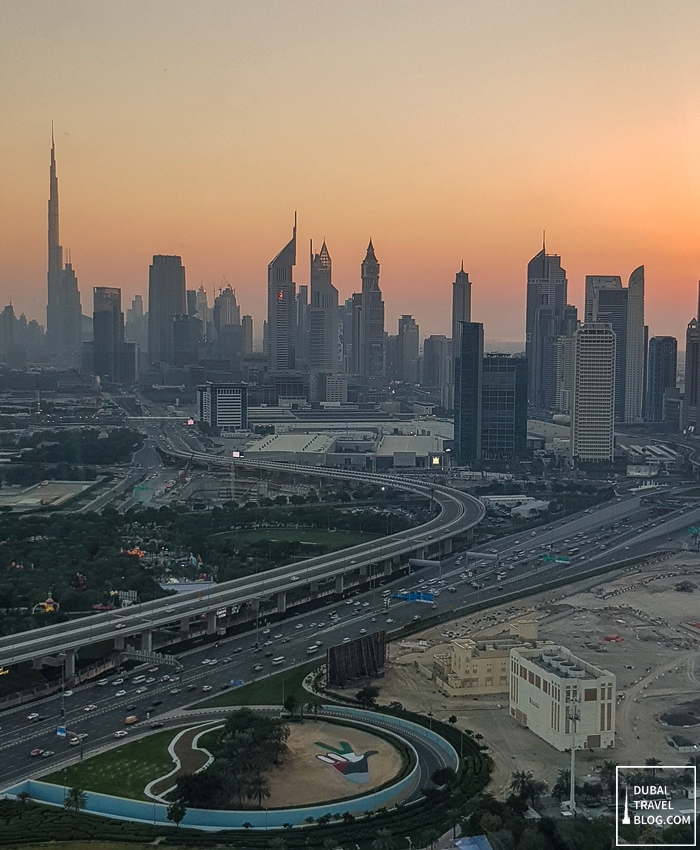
249	746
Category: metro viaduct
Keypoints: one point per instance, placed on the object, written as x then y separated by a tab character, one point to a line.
280	589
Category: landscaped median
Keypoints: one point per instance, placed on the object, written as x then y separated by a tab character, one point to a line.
273	690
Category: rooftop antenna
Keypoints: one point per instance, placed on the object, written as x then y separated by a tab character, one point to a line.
544	251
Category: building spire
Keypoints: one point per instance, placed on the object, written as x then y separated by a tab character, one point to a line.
544	250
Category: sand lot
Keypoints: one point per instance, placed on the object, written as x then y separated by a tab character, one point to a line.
657	665
305	779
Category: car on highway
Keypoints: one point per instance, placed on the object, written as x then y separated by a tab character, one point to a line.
258	668
141	690
131	719
363	631
150	680
157	702
174	691
68	693
47	754
90	707
36	752
299	626
295	578
121	693
121	733
32	717
118	682
346	640
206	687
157	724
389	620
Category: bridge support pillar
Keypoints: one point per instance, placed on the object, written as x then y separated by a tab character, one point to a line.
185	624
313	587
339	583
211	622
70	664
282	601
387	567
364	570
447	547
147	640
119	642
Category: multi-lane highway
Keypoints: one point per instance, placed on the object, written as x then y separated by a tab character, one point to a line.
615	526
458	512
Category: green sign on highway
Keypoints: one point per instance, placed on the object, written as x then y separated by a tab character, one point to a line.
547	559
562	559
693	530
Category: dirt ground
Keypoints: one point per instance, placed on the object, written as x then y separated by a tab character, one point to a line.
657	666
304	779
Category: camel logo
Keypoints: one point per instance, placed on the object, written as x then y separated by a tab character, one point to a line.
354	767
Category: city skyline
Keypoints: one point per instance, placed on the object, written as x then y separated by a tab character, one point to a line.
433	156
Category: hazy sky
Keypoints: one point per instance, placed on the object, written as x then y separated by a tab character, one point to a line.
446	130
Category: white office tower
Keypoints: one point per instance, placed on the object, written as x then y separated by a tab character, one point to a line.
593	397
634	371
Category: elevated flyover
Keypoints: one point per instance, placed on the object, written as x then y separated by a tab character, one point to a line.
457	514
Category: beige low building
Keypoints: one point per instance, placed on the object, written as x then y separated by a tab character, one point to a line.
472	668
562	698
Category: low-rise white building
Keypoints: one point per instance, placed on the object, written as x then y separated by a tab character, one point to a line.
550	686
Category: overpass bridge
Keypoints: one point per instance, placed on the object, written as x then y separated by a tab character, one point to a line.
279	589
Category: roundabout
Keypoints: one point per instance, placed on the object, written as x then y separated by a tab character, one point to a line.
348	761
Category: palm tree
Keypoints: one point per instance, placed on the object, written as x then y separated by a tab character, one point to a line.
75	800
259	786
652	762
22	800
607	775
384	840
276	843
521	782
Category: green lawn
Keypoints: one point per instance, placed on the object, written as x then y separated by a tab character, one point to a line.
124	771
316	536
270	691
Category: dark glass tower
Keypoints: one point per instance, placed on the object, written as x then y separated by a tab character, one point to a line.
468	393
661	374
503	407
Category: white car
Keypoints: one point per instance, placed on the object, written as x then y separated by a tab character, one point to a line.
363	631
33	716
141	690
68	693
277	637
206	661
150	680
206	687
299	626
120	694
295	578
90	707
121	733
118	681
258	668
346	640
389	620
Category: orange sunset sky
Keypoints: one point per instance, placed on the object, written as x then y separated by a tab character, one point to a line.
446	130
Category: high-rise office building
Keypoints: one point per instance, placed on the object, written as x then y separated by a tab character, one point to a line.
226	310
302	344
593	399
607	301
691	414
63	311
223	407
461	305
136	329
282	308
247	323
108	332
438	368
371	319
323	316
503	407
468	393
661	374
166	300
635	353
407	350
547	318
